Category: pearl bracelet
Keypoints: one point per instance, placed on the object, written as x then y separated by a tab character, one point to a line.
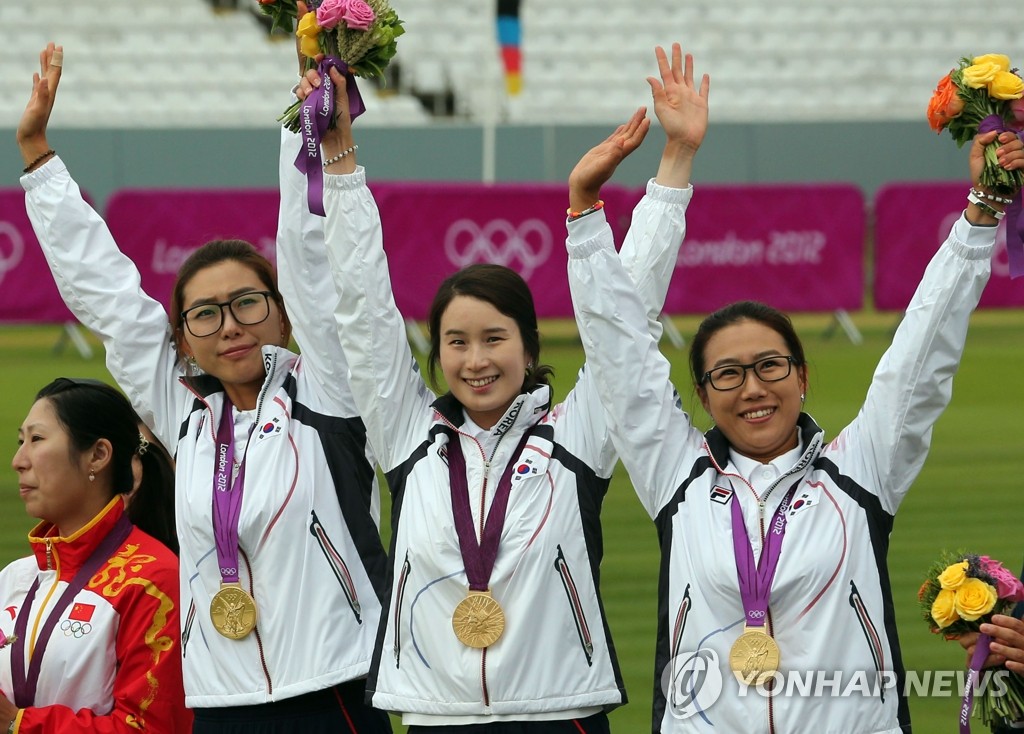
341	155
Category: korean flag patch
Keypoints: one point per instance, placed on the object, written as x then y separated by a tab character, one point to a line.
269	429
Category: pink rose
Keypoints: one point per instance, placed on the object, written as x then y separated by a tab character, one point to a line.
1008	586
359	16
330	13
1017	108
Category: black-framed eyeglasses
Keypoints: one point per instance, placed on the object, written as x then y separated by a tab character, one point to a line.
247	309
732	376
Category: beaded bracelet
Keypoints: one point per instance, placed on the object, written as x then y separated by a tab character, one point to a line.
576	215
984	206
991	197
42	157
341	155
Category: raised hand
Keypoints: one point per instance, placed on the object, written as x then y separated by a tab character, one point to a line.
599	163
681	108
31	132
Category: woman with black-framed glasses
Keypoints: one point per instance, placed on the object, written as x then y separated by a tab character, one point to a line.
775	608
282	566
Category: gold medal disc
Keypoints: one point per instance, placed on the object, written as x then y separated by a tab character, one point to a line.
478	620
233	611
754	657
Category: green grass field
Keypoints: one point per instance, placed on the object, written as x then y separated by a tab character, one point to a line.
964	498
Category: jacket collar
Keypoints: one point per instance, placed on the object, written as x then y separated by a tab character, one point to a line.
277	361
73	550
811	436
526	410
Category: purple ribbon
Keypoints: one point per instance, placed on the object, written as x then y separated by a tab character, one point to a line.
315	115
1014	222
227	497
981	650
25	685
479	556
756	579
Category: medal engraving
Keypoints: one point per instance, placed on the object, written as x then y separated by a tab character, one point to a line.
478	620
233	612
754	657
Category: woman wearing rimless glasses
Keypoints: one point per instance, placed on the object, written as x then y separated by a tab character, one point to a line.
774	541
90	638
282	567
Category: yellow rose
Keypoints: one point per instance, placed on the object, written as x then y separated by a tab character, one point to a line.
1006	85
308	32
980	75
953	576
973	599
942	609
1003	62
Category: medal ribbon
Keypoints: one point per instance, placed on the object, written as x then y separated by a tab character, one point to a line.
756	579
981	651
227	497
479	557
315	115
25	685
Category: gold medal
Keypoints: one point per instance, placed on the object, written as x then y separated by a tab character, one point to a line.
754	657
233	611
478	620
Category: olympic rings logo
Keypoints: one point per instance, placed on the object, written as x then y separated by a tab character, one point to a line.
74	628
756	614
500	242
10	258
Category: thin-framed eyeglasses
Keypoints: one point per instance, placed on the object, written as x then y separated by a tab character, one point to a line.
732	376
248	309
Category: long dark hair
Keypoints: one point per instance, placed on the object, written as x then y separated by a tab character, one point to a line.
214	253
504	289
90	410
742	311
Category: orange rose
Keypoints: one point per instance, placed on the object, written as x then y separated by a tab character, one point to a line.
944	105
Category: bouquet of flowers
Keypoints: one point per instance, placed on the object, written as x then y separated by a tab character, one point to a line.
361	34
982	94
961	592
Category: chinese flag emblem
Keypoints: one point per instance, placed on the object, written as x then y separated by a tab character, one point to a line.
82	612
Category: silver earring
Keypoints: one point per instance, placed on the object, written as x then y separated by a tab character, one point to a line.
92	476
801	397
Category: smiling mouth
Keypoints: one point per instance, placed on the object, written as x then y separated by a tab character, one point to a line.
754	414
481	382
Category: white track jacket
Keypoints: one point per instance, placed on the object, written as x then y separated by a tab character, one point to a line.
311	550
831	606
556	653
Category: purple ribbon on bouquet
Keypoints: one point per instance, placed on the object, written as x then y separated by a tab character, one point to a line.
981	650
1014	221
315	116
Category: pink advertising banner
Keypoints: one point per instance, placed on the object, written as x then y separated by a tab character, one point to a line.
28	293
433	230
795	247
799	248
911	221
158	229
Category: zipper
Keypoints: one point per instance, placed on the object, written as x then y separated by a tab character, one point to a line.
400	596
483	497
761	503
575	607
52	564
256	630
